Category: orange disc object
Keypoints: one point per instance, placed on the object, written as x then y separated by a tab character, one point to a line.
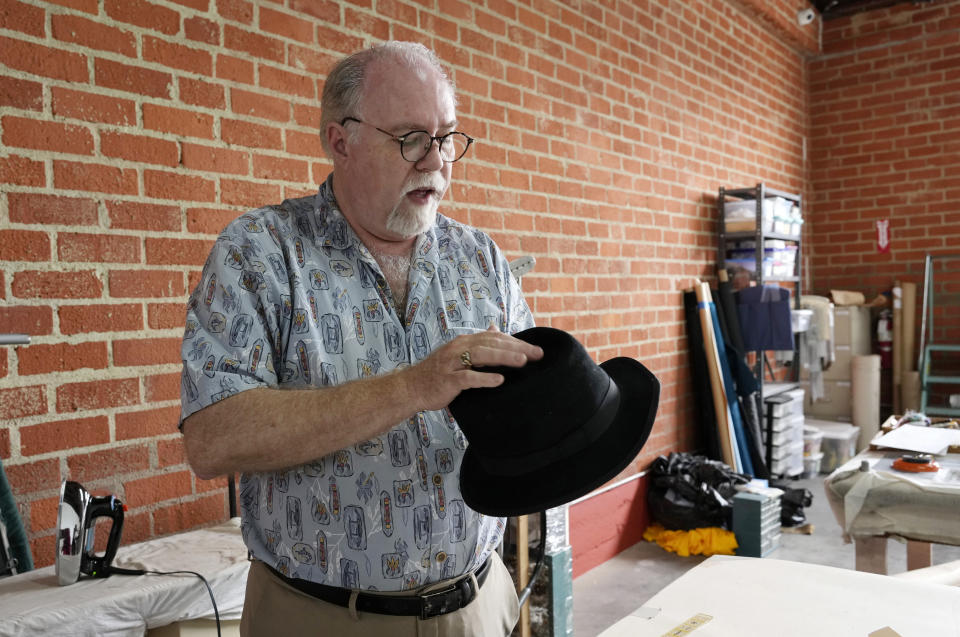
919	463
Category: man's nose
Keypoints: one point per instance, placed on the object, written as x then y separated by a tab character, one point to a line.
432	160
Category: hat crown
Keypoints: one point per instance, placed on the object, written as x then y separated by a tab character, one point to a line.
555	429
538	404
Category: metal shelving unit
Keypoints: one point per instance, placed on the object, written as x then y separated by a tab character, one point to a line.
760	236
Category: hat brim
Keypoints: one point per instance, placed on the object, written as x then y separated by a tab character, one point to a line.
566	480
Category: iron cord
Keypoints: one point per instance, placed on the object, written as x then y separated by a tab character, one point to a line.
113	570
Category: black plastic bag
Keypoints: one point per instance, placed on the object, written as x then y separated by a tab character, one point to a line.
688	492
792	503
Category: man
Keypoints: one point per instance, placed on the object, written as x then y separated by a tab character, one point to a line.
380	310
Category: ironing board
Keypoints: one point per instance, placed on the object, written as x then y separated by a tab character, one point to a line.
32	603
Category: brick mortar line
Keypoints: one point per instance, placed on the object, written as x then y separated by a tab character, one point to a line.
82	338
96	129
141	167
890	44
57	379
186	206
184	13
48	157
145	63
109	412
107	446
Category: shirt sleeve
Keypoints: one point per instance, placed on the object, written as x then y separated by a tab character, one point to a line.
518	316
231	342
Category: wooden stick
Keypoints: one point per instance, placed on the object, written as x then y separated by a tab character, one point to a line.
897	345
720	406
907	355
523	570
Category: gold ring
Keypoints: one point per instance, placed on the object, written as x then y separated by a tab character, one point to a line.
465	359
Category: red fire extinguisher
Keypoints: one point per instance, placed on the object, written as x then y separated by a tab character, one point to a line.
885	338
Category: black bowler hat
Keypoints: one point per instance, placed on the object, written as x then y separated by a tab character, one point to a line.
555	429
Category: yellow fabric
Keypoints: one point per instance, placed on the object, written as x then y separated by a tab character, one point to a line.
704	541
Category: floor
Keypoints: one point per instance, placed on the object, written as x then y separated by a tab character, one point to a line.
614	589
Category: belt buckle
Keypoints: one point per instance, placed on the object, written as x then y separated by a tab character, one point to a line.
431	608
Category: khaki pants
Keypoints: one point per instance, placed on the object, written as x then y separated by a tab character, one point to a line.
273	608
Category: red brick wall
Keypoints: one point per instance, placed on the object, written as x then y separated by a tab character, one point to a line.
885	124
132	132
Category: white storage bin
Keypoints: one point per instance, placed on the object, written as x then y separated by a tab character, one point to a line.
782	269
787	436
741	216
782	207
793	406
789	422
784	437
789	450
839	442
811	465
812	438
790	466
747	209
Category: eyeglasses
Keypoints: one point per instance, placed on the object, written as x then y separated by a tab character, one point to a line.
415	145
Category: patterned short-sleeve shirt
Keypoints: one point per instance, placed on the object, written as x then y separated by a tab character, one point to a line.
290	297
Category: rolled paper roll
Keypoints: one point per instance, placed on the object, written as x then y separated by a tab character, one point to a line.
865	396
910	391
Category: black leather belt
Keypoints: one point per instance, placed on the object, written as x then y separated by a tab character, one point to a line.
439	602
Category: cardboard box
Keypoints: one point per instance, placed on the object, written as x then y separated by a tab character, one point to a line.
851	327
851	337
841	367
835	404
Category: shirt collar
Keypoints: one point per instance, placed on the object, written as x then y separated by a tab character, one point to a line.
336	231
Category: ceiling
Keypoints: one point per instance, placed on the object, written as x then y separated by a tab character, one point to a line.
830	9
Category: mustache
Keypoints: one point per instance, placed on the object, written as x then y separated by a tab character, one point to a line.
419	182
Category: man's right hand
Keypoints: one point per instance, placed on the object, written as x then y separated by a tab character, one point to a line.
265	429
437	380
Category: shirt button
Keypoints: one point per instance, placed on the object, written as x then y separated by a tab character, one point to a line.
441	557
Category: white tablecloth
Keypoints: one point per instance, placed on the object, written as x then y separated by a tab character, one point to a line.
884	502
33	603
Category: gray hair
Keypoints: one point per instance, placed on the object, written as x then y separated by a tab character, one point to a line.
344	87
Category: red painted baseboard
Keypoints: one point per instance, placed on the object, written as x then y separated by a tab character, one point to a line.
607	523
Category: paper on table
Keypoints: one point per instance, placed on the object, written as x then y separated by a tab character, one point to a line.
933	440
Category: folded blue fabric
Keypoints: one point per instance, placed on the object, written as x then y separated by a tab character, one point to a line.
764	314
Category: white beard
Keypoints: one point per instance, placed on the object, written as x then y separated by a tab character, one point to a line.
409	220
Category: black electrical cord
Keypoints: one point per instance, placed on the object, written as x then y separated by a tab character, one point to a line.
114	570
525	593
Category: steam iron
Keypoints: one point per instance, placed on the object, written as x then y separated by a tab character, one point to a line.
75	533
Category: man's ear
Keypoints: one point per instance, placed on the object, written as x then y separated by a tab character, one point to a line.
337	140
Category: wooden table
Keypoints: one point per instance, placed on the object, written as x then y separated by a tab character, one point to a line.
879	502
